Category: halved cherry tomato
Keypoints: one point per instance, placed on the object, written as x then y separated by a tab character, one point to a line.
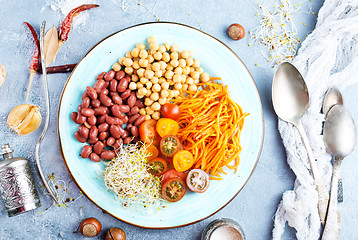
170	110
152	151
157	166
148	132
169	145
197	180
174	189
167	126
173	174
183	160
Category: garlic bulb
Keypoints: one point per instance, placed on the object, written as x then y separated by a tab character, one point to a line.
24	119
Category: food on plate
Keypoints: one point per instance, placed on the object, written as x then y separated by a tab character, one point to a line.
173	189
169	145
210	127
167	126
24	119
170	110
236	31
148	132
90	227
116	234
183	160
157	166
197	180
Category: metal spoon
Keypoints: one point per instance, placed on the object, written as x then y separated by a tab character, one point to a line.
332	97
290	100
339	135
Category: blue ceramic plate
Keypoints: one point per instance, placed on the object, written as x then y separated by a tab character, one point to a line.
217	60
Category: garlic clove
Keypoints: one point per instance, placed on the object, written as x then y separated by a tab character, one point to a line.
24	119
2	74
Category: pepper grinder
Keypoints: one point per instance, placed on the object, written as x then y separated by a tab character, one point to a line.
17	186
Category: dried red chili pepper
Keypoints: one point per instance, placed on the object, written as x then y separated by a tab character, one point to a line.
67	22
34	64
58	69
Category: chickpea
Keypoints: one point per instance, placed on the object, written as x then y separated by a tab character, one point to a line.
140	46
176	93
166	57
163	65
192	87
127	62
143	53
143	62
158	74
164	93
132	86
128	70
177	78
154	45
134	77
116	67
174	48
174	62
150	58
139	96
204	77
149	110
194	75
196	81
196	63
148	74
169	68
140	72
167	46
156	106
157	56
165	85
135	52
199	70
192	69
147	117
156	115
184	54
154	96
139	85
142	111
171	94
135	65
182	63
183	78
148	102
162	101
189	62
149	67
143	80
151	39
156	66
185	87
174	55
189	80
161	80
169	74
161	49
178	70
149	92
128	54
142	91
186	70
120	60
156	87
148	85
154	80
178	86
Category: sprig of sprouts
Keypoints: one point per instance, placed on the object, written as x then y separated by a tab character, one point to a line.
127	176
277	32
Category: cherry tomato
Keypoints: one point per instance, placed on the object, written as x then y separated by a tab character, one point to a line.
157	166
167	126
169	145
197	180
173	174
148	132
183	160
170	110
174	189
152	151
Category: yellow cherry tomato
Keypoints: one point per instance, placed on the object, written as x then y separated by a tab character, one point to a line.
167	126
183	160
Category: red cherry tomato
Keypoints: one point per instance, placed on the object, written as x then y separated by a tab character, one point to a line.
169	145
173	174
170	110
198	180
148	132
174	189
157	166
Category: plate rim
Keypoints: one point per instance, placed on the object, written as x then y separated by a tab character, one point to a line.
262	120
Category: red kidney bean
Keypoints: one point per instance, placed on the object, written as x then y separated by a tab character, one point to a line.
92	141
95	103
131	99
94	157
107	85
127	140
129	126
123	85
83	131
105	100
105	91
134	131
110	141
133	118
92	120
84	94
124	108
120	74
86	151
118	143
103	127
99	85
113	85
79	108
114	120
117	99
101	75
125	119
87	112
98	147
102	118
139	120
86	102
107	155
74	116
126	94
80	118
103	135
126	133
93	132
134	110
100	110
110	75
139	103
116	111
79	137
91	92
115	132
113	93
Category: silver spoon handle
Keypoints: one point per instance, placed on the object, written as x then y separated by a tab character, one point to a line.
323	194
331	229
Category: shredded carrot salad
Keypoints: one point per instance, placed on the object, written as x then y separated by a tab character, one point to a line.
210	127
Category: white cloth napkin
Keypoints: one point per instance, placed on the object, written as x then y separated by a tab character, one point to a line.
328	57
